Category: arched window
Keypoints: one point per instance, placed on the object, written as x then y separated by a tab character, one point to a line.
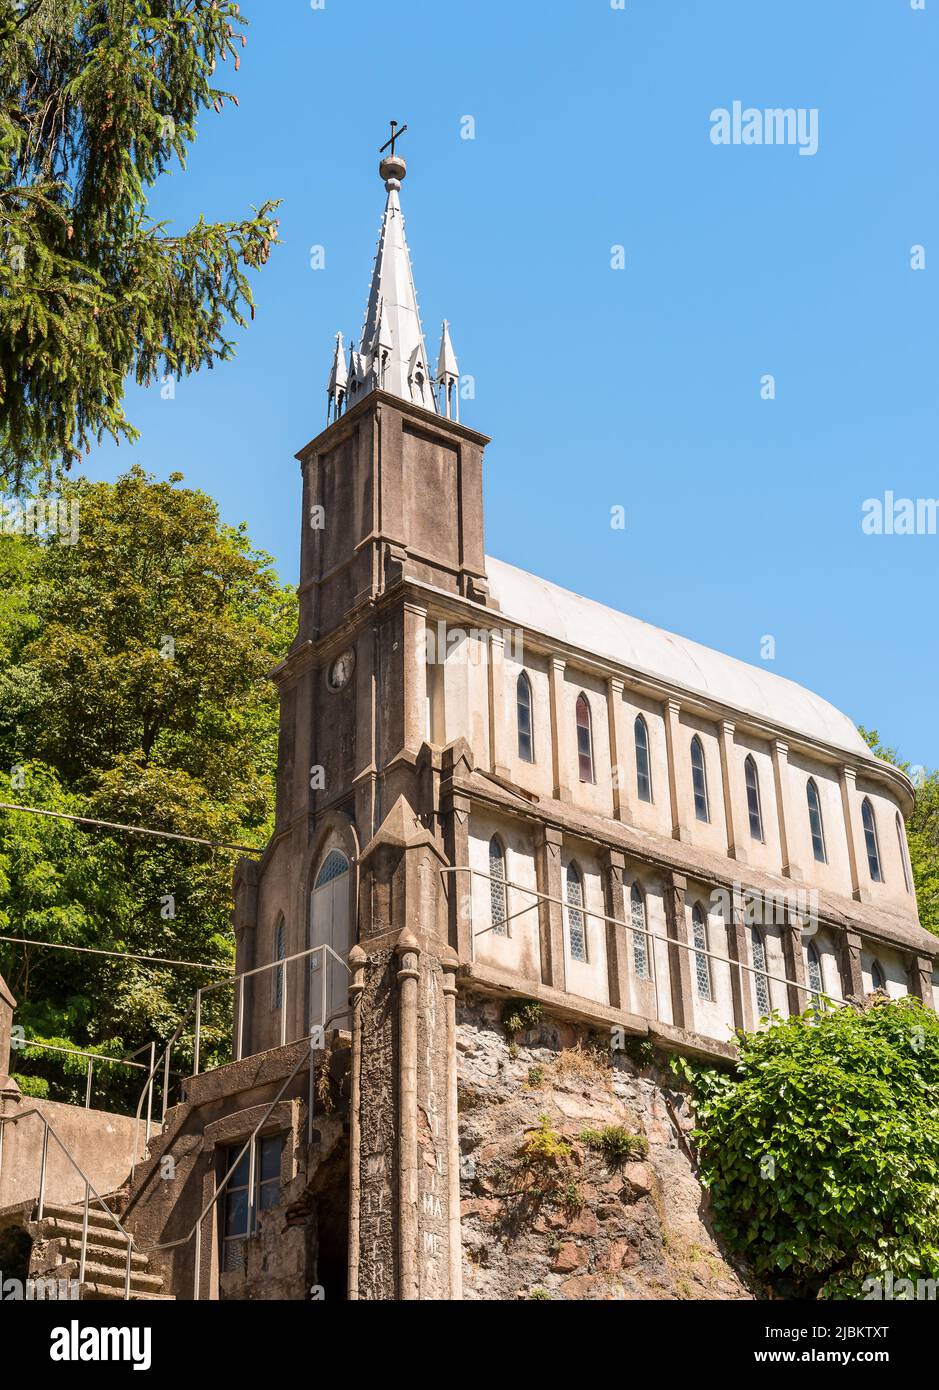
870	840
760	979
643	767
753	799
637	913
526	735
497	905
815	822
814	974
584	740
699	780
878	978
702	963
277	976
904	858
576	928
334	865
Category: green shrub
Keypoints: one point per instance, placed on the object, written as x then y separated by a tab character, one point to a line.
617	1144
520	1015
821	1149
545	1145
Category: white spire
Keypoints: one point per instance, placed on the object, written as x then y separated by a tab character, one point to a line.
448	374
391	355
338	379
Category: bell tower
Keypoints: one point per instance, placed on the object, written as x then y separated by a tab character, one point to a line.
392	514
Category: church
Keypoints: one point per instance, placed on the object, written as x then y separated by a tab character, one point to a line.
526	848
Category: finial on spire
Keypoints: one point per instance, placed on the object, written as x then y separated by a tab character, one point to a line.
393	169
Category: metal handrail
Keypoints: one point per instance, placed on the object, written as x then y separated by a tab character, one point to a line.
249	1147
90	1189
195	1008
20	1044
739	965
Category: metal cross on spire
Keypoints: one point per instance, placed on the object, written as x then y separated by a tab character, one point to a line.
395	135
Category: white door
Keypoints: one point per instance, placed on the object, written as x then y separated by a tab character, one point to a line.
329	926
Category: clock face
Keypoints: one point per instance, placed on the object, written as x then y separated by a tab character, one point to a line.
341	670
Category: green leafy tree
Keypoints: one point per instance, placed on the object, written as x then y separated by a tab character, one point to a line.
922	831
97	97
821	1149
133	688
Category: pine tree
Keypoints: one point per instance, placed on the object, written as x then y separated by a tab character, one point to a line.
97	97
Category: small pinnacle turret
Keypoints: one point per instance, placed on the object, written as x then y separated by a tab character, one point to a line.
391	355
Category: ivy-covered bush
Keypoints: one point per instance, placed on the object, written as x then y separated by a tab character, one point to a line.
821	1149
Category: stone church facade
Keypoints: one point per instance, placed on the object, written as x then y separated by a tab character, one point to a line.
494	795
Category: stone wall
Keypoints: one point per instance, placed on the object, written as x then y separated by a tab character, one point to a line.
576	1224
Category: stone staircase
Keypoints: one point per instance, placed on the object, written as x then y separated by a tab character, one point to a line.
57	1240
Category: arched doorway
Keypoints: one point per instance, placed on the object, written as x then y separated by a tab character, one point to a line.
330	925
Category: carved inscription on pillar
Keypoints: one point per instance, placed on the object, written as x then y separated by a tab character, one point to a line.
378	1219
433	1165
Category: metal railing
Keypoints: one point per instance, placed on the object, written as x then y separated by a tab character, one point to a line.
320	958
626	925
20	1044
90	1191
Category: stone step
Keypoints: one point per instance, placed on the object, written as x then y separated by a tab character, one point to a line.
101	1293
109	1277
96	1217
104	1255
59	1229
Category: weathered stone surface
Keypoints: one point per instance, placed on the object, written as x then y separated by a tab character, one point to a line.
571	1226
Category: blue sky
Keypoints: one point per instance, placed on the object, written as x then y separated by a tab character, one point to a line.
637	387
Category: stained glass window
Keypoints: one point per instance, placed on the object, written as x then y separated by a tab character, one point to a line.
699	780
497	905
702	964
576	929
637	909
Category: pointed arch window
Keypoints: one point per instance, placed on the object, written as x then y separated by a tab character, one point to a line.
699	780
637	914
814	974
760	979
878	978
870	840
334	865
497	899
584	739
643	766
816	824
904	855
702	963
277	975
526	735
754	806
576	927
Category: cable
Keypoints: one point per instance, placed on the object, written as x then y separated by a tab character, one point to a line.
133	829
121	955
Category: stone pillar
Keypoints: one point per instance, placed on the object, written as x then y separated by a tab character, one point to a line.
550	920
733	810
561	743
617	943
784	813
920	983
499	753
403	1230
457	759
450	964
679	959
857	854
738	950
414	665
852	980
673	745
622	787
8	1087
797	994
